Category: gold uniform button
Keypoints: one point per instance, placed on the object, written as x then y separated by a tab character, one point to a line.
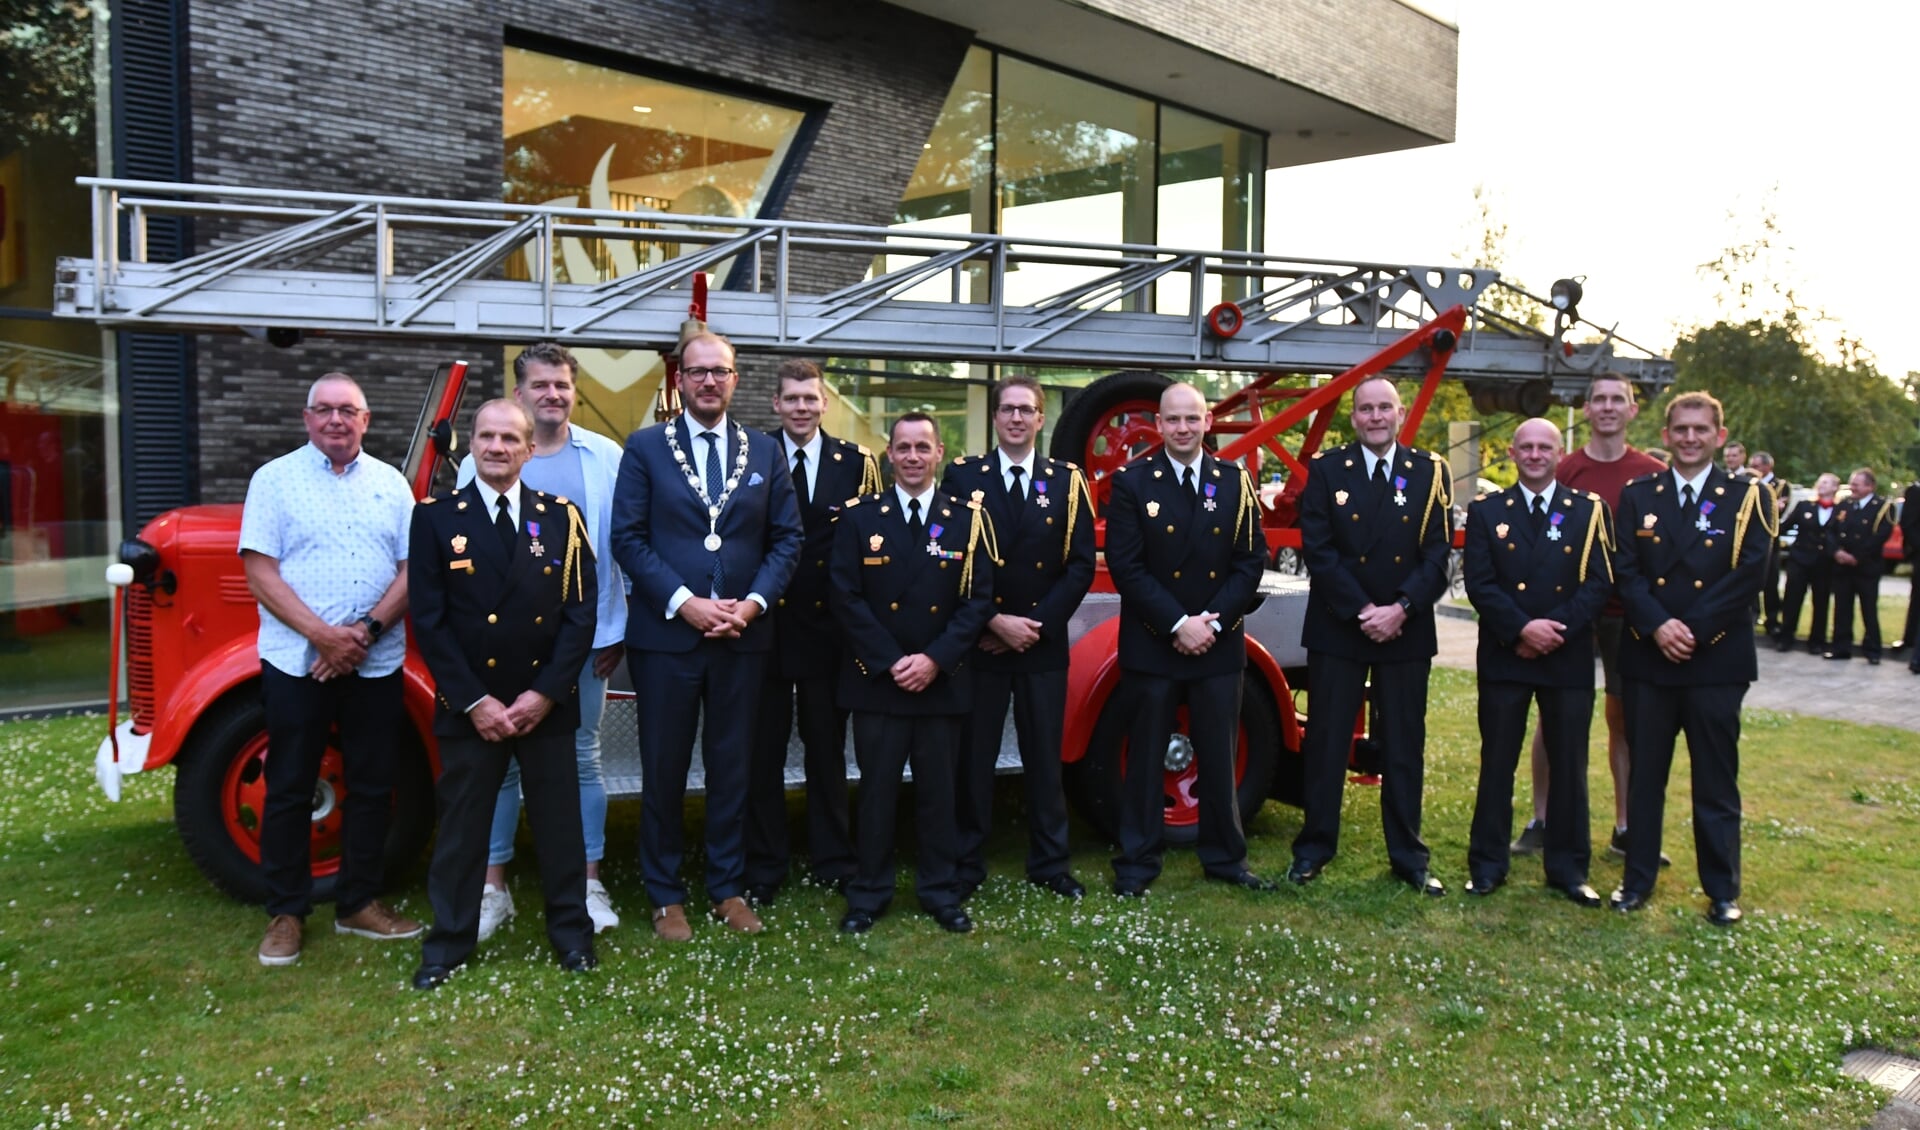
1176	574
547	571
1660	582
1396	559
894	607
999	600
935	610
1709	543
1559	588
1040	565
1699	584
1363	560
538	620
492	619
820	564
819	604
1216	531
781	603
1522	586
536	663
1567	549
1169	529
470	570
1210	574
492	663
1356	517
1656	541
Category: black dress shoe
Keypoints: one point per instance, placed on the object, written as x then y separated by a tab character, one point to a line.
430	977
1580	894
1724	912
579	961
1480	886
1245	879
1784	644
1914	667
1626	901
1063	884
1873	661
1839	655
856	922
953	920
762	894
1129	888
1422	882
1303	872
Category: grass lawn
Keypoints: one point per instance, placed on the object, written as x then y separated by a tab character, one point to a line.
133	997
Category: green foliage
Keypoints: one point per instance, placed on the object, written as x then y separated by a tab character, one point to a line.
1814	415
46	52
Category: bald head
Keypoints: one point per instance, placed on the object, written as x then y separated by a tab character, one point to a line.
1535	451
1376	414
1184	421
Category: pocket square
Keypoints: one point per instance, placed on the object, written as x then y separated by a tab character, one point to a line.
756	480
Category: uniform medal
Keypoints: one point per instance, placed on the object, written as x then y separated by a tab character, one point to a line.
1208	490
1400	490
1553	525
459	544
933	539
1706	508
1040	498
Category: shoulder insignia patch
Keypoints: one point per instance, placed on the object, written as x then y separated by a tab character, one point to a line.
1319	454
862	449
430	500
562	500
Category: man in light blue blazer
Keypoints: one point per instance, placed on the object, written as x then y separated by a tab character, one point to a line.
706	525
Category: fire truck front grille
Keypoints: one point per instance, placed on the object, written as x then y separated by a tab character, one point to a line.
140	656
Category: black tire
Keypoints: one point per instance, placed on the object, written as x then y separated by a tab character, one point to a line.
1093	782
1090	413
236	729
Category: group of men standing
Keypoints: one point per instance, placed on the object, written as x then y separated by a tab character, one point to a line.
773	569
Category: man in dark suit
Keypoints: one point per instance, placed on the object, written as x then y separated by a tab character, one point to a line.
1810	564
504	595
1693	550
827	472
1760	463
1376	523
1539	571
706	525
1185	550
1861	527
1042	513
1910	545
904	671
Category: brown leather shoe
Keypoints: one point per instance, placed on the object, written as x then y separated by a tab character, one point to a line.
375	921
738	915
670	923
281	946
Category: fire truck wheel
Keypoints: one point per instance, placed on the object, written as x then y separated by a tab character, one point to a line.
1112	419
1094	781
219	795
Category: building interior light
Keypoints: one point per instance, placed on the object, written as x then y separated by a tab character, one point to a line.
643	109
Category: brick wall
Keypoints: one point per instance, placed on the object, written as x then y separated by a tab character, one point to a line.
405	99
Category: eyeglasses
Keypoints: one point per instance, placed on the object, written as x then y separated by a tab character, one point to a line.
344	411
716	374
1024	411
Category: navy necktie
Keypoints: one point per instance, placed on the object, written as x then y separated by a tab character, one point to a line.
503	522
800	491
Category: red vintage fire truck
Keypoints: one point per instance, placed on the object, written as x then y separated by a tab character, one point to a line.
1302	333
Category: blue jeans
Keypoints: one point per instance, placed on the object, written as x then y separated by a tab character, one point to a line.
593	790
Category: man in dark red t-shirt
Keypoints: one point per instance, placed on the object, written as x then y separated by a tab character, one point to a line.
1602	467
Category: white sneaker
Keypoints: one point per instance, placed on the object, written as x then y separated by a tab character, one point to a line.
600	907
496	906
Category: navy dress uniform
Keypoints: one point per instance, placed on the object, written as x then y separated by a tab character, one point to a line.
1861	527
498	619
900	591
1370	542
800	683
1702	565
1556	564
1910	546
1176	550
1809	568
1045	566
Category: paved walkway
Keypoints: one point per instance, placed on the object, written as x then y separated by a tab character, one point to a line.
1793	682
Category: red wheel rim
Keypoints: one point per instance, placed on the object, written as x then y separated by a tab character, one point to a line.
1182	810
243	801
1126	433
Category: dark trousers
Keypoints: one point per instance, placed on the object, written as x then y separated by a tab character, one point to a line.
1710	717
471	770
1800	578
1566	717
302	714
1770	591
823	734
726	686
1399	729
1851	583
884	744
1039	717
1213	724
1911	636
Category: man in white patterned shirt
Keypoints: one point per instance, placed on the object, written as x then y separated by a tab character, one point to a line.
324	542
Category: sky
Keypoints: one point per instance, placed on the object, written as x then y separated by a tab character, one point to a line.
1631	141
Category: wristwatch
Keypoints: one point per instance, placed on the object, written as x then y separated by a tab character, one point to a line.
374	627
1406	606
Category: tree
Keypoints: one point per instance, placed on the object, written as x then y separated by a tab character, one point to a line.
46	52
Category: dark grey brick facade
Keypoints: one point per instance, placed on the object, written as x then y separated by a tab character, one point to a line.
405	100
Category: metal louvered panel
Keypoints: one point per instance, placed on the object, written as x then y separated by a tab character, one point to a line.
159	439
139	624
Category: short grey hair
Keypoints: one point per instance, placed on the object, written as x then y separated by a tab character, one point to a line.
337	378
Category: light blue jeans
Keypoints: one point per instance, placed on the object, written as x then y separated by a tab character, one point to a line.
593	790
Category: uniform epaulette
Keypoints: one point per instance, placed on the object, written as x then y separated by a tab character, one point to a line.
1481	497
1319	455
1591	497
562	499
862	449
430	500
1067	463
962	460
1646	478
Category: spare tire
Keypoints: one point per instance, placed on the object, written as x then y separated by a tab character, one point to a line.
1110	423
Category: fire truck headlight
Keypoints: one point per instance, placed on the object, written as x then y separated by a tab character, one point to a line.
141	560
119	575
1566	295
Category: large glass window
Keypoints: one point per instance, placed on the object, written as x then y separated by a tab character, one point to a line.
582	134
54	456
